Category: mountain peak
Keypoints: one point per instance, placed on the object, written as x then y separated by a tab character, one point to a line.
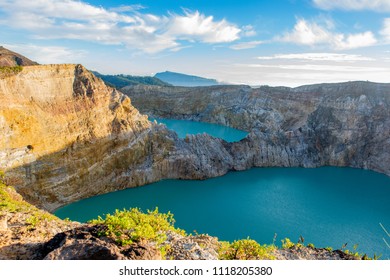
10	58
179	79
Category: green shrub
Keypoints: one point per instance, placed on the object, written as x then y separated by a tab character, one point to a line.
245	249
6	71
287	243
10	202
128	226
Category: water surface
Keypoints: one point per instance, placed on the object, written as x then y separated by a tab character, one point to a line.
328	206
183	127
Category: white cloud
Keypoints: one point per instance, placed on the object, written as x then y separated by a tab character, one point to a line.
199	27
336	57
385	32
48	54
375	5
306	33
246	45
313	34
61	9
353	41
53	19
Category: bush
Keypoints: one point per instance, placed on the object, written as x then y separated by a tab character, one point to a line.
128	226
287	244
2	176
6	71
245	249
11	202
329	249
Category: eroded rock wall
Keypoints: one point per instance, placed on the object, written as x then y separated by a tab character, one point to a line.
60	124
346	124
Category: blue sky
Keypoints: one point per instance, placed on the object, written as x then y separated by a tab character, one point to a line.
278	42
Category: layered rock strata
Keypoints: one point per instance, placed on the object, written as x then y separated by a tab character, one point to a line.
68	136
65	135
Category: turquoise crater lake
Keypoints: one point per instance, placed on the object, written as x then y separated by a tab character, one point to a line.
184	127
328	206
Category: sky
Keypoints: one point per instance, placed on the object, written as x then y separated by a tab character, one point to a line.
254	42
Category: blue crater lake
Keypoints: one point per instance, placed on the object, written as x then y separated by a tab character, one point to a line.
328	206
184	127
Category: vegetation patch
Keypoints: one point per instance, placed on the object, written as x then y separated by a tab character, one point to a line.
128	226
120	81
358	255
7	71
246	249
12	202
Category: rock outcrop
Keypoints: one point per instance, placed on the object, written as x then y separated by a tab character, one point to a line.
65	134
24	229
345	124
84	243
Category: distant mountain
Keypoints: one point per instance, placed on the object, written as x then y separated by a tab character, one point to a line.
120	81
178	79
10	58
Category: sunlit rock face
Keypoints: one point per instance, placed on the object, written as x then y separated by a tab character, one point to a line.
59	126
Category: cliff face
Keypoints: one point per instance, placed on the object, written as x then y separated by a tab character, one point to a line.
59	126
67	136
344	124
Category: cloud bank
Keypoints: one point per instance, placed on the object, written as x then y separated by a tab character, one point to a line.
69	19
314	34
